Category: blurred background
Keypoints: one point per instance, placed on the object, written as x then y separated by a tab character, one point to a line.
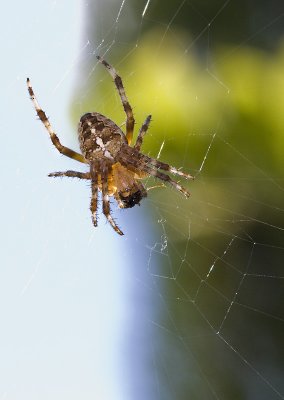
189	303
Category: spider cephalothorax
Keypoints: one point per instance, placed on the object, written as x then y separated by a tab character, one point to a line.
115	167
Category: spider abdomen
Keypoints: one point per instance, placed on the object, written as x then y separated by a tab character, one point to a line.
99	137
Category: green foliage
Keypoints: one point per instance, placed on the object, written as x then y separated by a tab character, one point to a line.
236	102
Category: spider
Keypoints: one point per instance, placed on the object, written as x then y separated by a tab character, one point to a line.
115	167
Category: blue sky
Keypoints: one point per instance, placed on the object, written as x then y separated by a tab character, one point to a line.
64	287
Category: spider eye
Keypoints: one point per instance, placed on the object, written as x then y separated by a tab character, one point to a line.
129	200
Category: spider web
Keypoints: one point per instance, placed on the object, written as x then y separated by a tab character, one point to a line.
189	303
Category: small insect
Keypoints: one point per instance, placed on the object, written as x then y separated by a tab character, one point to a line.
116	167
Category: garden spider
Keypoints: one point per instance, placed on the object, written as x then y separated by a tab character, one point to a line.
115	166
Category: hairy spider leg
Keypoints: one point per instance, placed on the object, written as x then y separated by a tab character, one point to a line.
165	167
94	198
132	153
164	177
142	133
141	164
71	174
127	107
54	138
106	206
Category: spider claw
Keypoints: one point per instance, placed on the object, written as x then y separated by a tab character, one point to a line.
113	224
102	61
181	189
54	174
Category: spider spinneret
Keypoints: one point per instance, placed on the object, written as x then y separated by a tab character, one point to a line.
116	167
